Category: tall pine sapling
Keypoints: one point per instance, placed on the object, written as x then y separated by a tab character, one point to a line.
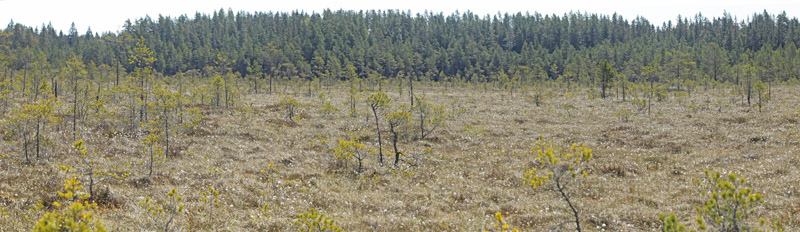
150	145
97	169
606	74
291	106
396	120
166	103
76	70
142	59
377	102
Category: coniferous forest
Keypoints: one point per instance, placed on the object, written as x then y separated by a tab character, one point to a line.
387	120
458	47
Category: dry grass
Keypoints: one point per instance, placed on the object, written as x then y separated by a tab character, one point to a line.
461	175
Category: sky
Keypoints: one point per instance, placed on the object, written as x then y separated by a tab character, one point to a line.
109	15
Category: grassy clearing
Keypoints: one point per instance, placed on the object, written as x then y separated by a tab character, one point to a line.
267	168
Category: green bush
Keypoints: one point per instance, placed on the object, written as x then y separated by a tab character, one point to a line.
315	221
727	206
557	169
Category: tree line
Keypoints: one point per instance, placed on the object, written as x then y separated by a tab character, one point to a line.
466	47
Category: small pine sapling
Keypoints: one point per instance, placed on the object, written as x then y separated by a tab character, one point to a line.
142	59
315	221
38	114
17	124
211	198
640	104
352	102
431	116
671	223
210	207
728	203
191	118
396	120
727	206
151	147
78	216
163	215
501	225
291	106
347	150
96	168
606	74
166	103
763	95
217	84
76	70
326	107
3	214
5	94
557	170
232	93
624	114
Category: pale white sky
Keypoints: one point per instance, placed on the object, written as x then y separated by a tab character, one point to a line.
109	15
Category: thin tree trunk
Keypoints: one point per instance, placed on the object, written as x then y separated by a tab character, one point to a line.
359	163
394	144
74	108
226	93
142	99
380	145
24	80
769	87
421	126
166	129
571	207
116	82
37	137
85	107
25	147
91	182
55	87
218	93
623	91
411	92
35	87
748	91
151	161
650	99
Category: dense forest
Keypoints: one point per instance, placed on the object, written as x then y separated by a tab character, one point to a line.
456	47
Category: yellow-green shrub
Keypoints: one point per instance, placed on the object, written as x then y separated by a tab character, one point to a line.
727	206
430	116
163	215
77	217
557	169
291	105
351	149
501	224
313	220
